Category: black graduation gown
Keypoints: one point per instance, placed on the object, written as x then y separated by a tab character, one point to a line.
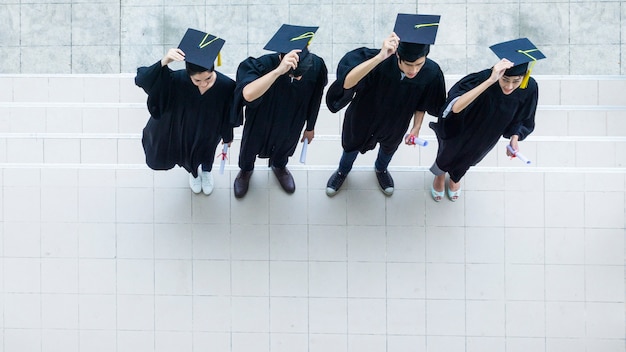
274	122
465	138
185	126
382	104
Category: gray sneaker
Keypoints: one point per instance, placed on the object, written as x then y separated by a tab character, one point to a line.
334	183
385	182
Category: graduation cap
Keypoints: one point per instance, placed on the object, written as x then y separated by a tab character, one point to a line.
418	29
201	48
289	37
522	53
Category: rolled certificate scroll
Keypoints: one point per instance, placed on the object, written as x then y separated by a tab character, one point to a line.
411	139
224	156
305	144
519	155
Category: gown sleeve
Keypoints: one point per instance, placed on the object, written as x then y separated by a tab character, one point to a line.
316	101
435	94
249	70
337	97
227	127
463	86
154	80
450	124
524	122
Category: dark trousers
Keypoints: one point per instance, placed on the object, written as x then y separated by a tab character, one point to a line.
348	158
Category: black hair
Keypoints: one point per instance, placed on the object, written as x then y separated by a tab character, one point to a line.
517	70
410	52
193	69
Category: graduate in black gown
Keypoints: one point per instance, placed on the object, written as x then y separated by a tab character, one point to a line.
483	107
190	109
386	88
281	94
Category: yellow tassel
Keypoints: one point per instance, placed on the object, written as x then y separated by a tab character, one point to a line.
219	59
303	36
418	26
524	83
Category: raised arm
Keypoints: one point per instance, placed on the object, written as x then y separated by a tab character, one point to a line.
467	98
390	45
172	55
255	89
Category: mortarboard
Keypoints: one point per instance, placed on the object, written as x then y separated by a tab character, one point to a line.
418	29
522	53
289	37
201	48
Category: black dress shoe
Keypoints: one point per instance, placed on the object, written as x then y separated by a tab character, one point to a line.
285	179
241	183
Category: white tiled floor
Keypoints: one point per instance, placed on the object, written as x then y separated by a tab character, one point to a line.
129	260
101	254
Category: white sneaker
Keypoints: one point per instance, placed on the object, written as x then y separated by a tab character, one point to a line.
195	183
207	182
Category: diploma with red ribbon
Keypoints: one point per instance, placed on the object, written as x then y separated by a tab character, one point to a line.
224	156
517	154
411	139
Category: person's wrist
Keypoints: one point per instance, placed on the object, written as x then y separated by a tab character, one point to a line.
277	72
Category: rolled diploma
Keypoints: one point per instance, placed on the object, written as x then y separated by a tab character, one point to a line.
519	155
305	144
223	161
417	140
